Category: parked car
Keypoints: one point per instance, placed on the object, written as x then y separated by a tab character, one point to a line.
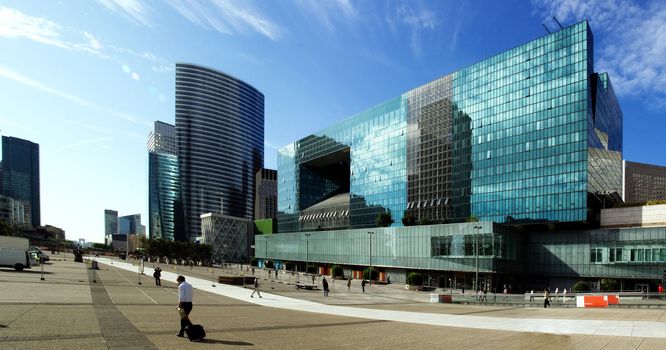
41	253
18	259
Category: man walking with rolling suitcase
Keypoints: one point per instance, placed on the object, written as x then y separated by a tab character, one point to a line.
184	304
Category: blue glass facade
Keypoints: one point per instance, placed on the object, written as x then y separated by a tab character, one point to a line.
164	203
20	174
164	194
524	136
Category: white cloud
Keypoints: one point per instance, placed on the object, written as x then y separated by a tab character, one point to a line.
17	125
630	42
19	78
326	12
418	20
14	24
227	17
133	9
92	41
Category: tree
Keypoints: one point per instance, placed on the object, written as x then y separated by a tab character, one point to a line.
408	219
384	219
7	229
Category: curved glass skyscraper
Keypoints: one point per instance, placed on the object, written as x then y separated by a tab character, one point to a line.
220	137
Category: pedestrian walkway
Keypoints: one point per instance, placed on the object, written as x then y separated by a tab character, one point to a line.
536	325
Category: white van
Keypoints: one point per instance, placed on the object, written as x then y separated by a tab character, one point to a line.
18	259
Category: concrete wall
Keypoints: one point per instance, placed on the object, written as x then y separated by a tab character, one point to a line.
652	215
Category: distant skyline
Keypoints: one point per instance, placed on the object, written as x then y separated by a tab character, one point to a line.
87	79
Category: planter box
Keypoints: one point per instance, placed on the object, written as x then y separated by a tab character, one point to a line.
416	288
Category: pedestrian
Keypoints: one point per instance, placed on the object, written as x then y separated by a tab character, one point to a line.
276	273
191	264
463	291
485	295
363	285
506	293
256	288
184	303
158	274
531	295
546	298
324	285
313	279
479	295
349	285
388	280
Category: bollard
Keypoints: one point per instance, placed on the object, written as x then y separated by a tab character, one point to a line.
41	263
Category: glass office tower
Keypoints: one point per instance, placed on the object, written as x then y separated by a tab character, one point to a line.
163	183
532	134
220	137
20	174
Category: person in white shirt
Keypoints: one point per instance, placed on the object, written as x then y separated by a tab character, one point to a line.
184	303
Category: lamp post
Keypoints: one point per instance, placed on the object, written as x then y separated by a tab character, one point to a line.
307	251
370	268
476	276
266	247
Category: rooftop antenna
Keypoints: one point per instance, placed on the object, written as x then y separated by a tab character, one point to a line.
546	28
558	22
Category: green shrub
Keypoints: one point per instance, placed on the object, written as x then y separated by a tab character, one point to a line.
366	274
337	271
384	219
408	220
609	284
414	279
581	286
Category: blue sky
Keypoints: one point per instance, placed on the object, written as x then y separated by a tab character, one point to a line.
86	79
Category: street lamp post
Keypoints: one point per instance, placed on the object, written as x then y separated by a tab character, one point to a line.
476	276
370	268
307	252
266	251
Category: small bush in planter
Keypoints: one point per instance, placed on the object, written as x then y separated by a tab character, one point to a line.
336	271
580	286
414	279
366	274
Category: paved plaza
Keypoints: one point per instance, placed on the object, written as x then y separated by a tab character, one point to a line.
74	308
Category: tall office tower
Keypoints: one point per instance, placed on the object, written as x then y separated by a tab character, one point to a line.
110	225
130	225
532	134
20	174
644	182
265	200
163	185
220	135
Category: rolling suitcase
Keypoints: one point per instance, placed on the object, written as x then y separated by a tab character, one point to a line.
195	332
